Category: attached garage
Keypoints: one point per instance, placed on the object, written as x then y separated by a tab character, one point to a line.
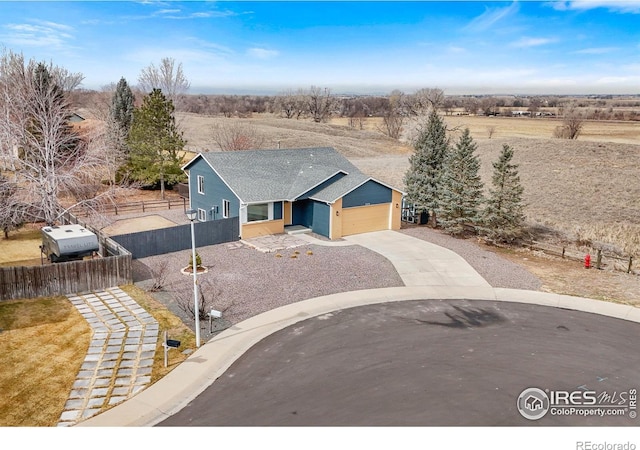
370	207
363	219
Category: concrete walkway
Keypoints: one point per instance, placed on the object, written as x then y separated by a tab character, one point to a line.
120	358
429	271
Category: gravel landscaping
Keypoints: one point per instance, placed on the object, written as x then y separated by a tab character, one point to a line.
242	281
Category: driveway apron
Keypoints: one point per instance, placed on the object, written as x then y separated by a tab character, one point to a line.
420	263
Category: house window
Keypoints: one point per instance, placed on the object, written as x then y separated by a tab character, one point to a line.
258	212
200	184
202	215
226	207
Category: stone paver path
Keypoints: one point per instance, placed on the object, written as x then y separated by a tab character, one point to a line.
274	242
120	357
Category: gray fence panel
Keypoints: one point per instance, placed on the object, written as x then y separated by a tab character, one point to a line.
174	239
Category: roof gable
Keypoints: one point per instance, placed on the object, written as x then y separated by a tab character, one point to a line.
284	174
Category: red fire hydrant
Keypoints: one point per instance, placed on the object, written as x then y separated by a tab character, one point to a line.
587	261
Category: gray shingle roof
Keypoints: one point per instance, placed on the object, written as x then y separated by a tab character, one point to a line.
285	174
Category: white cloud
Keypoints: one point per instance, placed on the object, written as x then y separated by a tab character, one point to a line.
491	17
180	14
615	80
623	6
527	42
456	49
40	34
596	51
168	11
262	53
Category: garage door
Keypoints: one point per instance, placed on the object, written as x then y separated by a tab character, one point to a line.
363	219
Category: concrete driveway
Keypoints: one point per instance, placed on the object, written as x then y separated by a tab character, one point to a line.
420	263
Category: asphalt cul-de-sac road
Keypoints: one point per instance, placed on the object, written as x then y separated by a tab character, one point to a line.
421	363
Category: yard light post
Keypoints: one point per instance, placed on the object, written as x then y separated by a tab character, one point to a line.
191	215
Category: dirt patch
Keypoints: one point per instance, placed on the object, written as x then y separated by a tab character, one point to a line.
22	247
133	225
563	276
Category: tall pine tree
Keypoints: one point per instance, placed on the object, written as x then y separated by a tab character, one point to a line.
503	216
119	124
461	187
423	177
155	143
122	106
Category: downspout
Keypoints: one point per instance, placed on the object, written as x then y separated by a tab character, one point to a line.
243	207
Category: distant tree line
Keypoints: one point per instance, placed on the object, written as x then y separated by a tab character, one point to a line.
294	104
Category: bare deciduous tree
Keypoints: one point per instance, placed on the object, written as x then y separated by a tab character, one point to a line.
160	273
236	135
426	99
168	77
50	159
11	209
210	297
572	124
292	104
320	104
392	124
394	115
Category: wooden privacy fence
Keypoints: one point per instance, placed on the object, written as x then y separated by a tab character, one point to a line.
65	278
599	258
134	207
111	268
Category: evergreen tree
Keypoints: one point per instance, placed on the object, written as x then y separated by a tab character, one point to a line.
118	126
122	106
503	216
155	143
423	177
461	187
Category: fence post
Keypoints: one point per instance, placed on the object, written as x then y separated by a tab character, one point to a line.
630	262
599	260
562	252
142	206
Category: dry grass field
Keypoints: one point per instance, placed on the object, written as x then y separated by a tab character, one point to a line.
22	247
585	190
43	345
44	342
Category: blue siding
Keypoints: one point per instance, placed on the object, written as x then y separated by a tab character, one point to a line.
321	213
214	191
277	210
302	213
370	193
312	214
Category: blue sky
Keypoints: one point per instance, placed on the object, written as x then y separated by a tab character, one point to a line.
568	47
